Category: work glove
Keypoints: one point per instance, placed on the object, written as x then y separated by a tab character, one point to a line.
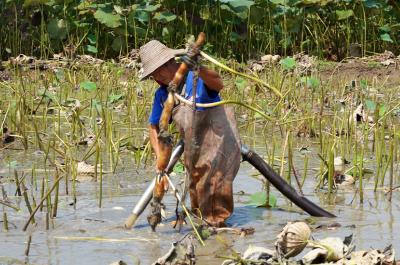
192	63
193	51
191	58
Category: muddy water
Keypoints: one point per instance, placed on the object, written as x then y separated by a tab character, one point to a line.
92	235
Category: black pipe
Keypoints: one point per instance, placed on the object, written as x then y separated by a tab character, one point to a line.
279	183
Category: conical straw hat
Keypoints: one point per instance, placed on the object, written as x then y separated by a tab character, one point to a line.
153	55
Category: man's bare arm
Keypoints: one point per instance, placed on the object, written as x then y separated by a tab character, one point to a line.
153	135
211	78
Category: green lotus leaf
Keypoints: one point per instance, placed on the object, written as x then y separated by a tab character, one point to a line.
118	44
108	18
259	199
88	85
344	14
164	17
57	29
288	63
92	38
91	48
386	37
30	3
370	105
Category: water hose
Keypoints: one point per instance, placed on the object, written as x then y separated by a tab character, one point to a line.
279	183
148	194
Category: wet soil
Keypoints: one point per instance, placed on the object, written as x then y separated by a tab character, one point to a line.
360	69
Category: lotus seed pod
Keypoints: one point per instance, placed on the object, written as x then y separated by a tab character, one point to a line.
293	239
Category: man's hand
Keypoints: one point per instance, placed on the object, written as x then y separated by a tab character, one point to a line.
193	50
192	63
191	58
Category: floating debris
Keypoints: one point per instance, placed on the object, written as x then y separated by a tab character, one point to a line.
332	250
86	172
328	249
340	178
85	168
360	115
88	140
7	137
339	165
373	257
331	226
182	252
119	262
344	180
253	255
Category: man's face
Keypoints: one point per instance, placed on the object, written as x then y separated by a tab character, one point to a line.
165	73
161	75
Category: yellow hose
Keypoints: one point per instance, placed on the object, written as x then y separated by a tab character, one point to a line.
214	104
255	79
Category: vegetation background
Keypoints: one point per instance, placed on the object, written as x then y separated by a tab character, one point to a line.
235	28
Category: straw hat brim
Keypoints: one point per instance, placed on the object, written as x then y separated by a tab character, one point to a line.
154	56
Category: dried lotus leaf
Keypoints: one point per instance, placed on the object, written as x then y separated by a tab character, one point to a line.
293	239
266	58
335	247
84	168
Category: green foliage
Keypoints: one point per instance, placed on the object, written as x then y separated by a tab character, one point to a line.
96	104
118	44
57	29
288	63
11	164
371	106
240	83
344	14
179	168
107	17
88	85
164	17
312	83
115	98
234	28
91	49
386	37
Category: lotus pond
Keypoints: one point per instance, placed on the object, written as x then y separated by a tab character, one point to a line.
95	112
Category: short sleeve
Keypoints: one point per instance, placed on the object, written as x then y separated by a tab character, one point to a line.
158	104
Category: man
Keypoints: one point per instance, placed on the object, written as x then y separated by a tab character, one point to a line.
212	146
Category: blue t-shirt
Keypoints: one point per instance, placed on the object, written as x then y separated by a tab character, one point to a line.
203	95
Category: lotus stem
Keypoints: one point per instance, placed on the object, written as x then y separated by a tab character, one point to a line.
253	78
5	221
28	204
219	103
28	245
55	206
41	202
185	209
18	191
